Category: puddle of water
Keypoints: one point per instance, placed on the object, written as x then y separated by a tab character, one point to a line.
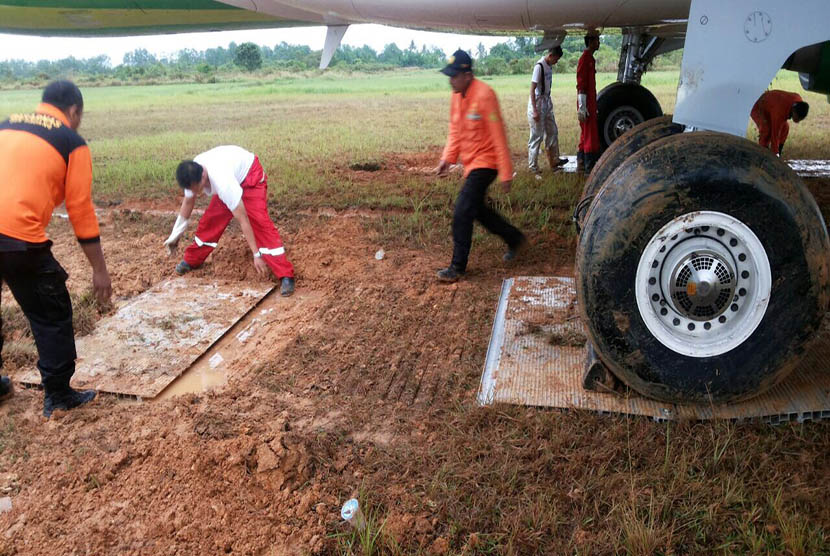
199	378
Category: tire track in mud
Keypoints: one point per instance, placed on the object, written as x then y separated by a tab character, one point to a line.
427	363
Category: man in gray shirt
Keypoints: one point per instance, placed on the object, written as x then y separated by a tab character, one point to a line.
540	114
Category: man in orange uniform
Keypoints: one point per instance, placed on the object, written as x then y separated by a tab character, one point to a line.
44	162
477	136
771	113
586	106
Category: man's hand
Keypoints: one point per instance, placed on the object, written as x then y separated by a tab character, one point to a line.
443	168
582	107
172	245
260	266
101	285
178	229
505	185
535	116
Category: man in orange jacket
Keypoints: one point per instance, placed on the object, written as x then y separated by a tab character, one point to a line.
770	114
477	137
44	162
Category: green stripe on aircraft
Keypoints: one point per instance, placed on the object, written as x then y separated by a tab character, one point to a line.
130	18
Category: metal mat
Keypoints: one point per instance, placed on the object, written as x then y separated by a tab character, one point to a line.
536	357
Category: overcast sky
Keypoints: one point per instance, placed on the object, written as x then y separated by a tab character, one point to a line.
376	36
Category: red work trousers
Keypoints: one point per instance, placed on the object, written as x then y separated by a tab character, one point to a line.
589	138
217	217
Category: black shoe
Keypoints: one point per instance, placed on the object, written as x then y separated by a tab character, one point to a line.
65	400
513	252
450	274
286	286
5	388
183	268
562	162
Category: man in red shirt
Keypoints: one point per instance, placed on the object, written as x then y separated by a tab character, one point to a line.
43	163
477	137
586	103
770	114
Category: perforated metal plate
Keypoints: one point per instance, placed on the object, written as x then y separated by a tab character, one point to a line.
536	357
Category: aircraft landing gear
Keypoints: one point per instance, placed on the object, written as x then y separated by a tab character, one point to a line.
621	107
702	269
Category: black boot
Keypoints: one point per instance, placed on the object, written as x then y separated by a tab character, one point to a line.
580	162
64	399
450	274
590	162
513	250
286	286
5	388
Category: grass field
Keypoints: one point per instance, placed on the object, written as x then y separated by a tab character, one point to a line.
463	480
303	128
306	129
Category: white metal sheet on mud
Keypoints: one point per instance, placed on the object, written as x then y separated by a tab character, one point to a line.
804	168
156	336
536	357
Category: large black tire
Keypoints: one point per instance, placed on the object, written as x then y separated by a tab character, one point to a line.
629	143
676	177
622	106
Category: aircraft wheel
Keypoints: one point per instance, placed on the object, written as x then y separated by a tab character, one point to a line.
703	269
623	106
628	144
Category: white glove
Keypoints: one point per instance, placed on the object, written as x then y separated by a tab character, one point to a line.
582	107
178	230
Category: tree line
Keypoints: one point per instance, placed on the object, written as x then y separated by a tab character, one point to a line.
514	56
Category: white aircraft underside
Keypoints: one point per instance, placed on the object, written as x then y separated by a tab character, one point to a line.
665	16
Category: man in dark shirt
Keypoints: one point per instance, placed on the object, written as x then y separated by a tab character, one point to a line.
44	162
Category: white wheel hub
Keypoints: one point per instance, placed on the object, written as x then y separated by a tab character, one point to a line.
703	284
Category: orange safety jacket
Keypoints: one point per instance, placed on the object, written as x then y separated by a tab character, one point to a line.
477	132
43	162
770	114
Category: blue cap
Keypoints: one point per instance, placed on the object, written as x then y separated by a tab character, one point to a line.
459	62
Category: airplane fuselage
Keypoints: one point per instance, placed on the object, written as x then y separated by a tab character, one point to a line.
486	15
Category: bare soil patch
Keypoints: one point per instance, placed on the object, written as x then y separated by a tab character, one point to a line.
371	394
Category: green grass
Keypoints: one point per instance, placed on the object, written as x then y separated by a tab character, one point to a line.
307	129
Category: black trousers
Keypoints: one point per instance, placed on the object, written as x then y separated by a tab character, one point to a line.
38	283
472	204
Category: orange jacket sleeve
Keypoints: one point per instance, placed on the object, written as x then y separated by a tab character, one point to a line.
79	195
495	126
452	147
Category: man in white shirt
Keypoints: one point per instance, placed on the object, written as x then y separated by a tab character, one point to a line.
237	185
540	114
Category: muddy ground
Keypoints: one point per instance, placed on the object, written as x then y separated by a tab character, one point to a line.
370	393
251	468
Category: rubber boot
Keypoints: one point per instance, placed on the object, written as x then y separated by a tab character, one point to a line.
553	158
580	162
5	388
590	162
57	394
